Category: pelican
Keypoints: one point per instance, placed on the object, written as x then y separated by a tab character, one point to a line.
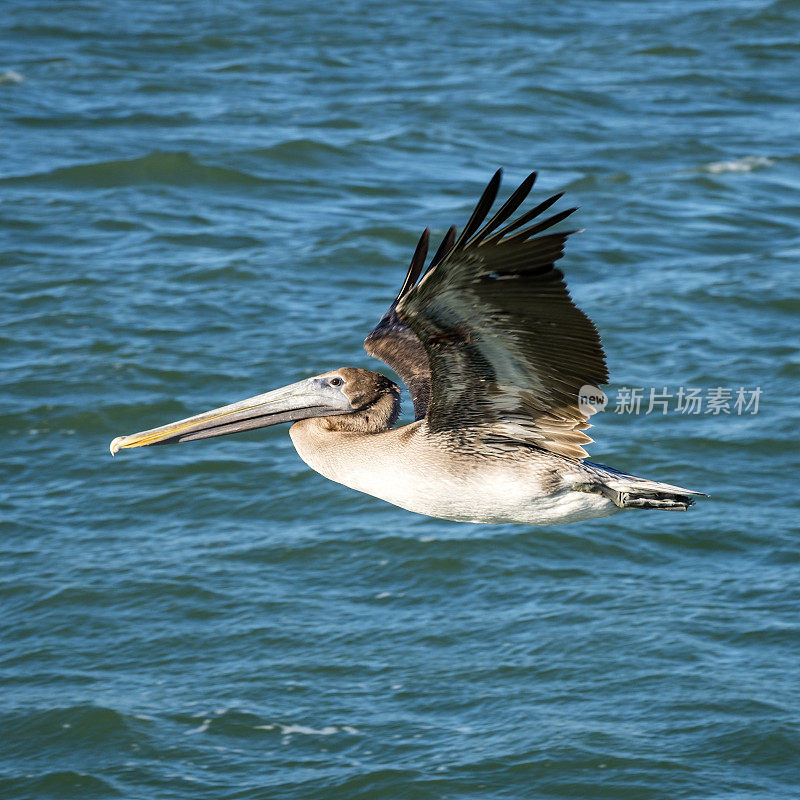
494	354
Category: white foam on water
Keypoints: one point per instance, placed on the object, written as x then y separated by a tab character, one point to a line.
201	729
328	730
305	730
745	164
10	76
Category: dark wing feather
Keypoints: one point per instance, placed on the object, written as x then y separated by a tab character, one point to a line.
417	264
506	351
445	247
507	209
481	210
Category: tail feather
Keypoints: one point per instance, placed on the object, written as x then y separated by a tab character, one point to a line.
628	491
661	500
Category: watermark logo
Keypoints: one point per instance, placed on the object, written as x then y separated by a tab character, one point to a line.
591	400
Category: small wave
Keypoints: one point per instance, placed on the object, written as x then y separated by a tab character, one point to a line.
76	120
66	783
211	240
745	164
306	152
159	167
674	51
82	724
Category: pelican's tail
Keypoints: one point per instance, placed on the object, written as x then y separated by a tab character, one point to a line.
628	491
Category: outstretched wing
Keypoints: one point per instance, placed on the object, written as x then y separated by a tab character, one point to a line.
488	341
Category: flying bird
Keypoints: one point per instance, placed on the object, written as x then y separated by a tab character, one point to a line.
494	354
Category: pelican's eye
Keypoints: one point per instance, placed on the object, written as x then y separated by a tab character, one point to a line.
336	381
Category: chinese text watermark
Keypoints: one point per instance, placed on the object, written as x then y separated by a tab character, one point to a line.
714	400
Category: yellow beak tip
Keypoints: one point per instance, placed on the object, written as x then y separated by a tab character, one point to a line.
116	445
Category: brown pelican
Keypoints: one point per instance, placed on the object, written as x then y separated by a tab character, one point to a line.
494	354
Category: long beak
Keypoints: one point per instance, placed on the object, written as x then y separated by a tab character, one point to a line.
294	402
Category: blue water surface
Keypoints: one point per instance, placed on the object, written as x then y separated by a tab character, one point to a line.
203	201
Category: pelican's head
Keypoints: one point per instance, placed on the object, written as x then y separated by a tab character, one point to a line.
358	399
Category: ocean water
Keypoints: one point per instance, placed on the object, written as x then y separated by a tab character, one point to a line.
200	202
